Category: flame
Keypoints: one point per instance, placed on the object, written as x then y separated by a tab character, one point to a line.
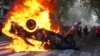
23	10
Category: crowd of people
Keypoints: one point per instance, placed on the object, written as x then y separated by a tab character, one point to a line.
83	33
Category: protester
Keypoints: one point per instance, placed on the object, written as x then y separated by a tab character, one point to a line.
85	34
79	32
93	32
98	32
69	38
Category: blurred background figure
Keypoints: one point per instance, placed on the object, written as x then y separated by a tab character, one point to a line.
98	32
79	32
85	34
93	32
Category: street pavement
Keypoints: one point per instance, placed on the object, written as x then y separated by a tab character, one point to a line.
91	48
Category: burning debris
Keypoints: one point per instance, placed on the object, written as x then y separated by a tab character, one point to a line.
48	38
31	25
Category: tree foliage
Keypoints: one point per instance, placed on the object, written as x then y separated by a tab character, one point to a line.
63	7
5	2
93	5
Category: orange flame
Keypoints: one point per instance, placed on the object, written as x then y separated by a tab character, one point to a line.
37	10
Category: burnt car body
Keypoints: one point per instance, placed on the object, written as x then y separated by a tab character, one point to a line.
56	40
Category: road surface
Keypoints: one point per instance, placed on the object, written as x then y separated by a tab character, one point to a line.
91	48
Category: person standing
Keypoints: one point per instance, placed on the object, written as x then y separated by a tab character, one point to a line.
98	32
85	34
79	32
93	32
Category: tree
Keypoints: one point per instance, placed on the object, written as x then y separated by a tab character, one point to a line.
63	8
6	2
93	5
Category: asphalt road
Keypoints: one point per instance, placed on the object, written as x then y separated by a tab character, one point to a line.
90	48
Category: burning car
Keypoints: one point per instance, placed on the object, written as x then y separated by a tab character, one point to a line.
32	25
28	22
